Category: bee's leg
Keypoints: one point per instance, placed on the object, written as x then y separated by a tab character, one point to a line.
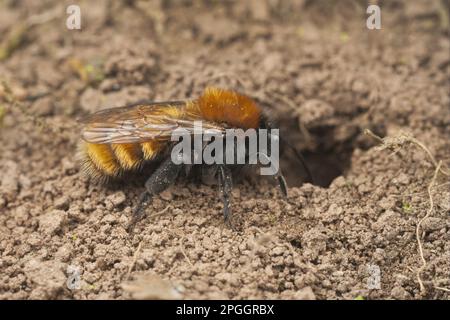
225	186
282	183
161	179
278	176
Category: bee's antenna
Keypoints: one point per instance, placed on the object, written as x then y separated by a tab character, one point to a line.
297	153
301	159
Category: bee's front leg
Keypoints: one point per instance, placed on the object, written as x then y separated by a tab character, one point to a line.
161	179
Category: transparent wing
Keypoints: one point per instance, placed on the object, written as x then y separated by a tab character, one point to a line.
140	123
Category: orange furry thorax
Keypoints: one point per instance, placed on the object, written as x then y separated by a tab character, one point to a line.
225	106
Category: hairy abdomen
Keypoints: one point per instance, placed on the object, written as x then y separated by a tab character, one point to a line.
103	161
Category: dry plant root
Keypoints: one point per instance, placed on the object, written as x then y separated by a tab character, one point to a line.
394	144
133	262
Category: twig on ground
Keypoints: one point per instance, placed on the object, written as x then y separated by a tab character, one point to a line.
160	213
395	143
135	257
183	252
438	186
135	219
419	242
442	289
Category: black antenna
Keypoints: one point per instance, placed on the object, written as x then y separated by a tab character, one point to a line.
301	159
267	125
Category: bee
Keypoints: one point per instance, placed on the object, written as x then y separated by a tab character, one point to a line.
118	141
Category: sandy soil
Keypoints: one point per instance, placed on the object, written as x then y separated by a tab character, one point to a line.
316	70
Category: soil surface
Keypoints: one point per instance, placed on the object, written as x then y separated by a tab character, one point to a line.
317	71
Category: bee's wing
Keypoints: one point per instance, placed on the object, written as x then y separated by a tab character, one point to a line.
140	123
132	111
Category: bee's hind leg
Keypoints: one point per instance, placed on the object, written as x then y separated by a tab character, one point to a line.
225	187
161	179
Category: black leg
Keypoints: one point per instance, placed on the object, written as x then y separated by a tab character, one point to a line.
279	177
161	179
282	183
225	186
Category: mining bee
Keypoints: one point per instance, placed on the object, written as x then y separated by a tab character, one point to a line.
118	141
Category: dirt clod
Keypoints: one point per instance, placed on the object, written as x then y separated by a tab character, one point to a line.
316	73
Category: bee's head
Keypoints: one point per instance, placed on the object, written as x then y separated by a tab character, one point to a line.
265	123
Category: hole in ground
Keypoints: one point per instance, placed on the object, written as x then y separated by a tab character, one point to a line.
326	157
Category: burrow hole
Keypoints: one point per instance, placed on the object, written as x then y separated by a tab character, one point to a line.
326	156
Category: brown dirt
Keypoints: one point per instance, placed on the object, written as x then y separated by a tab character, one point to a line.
313	66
